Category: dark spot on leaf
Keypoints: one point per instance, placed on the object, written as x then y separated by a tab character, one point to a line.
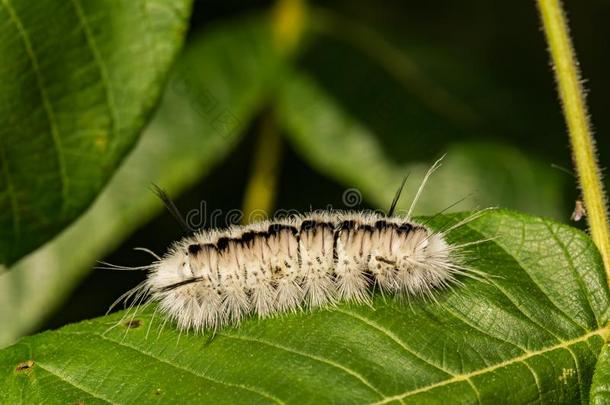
25	366
133	323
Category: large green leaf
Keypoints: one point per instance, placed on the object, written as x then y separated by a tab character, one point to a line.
531	333
341	146
202	116
78	82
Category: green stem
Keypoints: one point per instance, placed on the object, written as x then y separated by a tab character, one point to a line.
576	116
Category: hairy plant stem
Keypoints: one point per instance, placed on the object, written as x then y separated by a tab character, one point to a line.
575	111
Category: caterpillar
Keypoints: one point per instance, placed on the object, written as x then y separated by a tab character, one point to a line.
215	278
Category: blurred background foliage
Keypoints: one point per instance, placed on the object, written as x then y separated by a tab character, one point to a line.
287	105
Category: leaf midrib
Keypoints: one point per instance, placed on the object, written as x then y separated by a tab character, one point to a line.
101	66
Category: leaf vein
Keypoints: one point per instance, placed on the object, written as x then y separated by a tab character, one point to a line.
522	265
525	314
246	388
312	357
460	378
536	380
97	57
484	332
503	291
578	276
45	100
475	389
66	378
393	337
578	376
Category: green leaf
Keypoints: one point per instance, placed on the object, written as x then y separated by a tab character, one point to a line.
338	144
78	82
600	388
192	131
531	333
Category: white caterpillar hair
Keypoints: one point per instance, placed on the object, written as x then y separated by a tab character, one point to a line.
218	277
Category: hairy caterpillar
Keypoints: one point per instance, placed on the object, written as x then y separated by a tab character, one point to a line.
218	277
